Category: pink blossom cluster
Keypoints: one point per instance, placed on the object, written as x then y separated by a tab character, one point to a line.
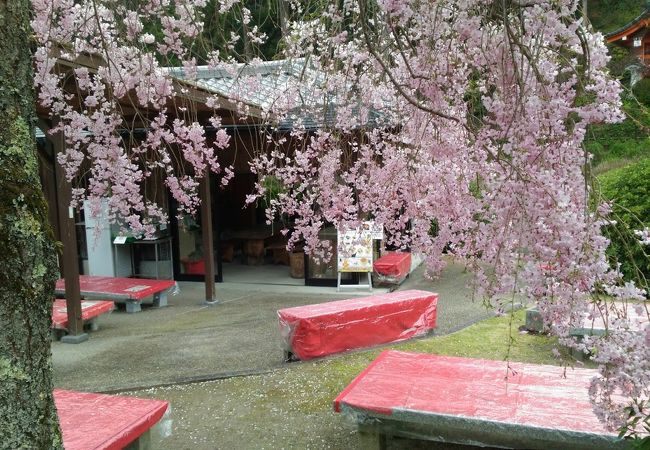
128	126
469	116
643	235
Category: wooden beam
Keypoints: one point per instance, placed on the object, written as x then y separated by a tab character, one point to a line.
208	239
69	261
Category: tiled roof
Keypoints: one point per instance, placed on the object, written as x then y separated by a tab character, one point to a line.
290	85
644	15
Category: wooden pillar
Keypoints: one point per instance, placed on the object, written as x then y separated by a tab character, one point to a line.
208	240
48	180
69	260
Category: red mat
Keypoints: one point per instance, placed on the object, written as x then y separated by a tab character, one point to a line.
395	265
96	421
317	330
117	288
533	396
89	310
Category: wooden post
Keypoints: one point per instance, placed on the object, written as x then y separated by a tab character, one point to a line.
69	261
208	240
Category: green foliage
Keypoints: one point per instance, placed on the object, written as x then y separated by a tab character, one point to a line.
620	59
628	189
609	15
219	28
638	418
474	100
625	140
642	91
641	443
273	187
434	229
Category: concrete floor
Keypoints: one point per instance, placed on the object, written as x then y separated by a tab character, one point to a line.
187	340
274	274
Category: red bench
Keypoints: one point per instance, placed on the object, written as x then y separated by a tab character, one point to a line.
130	291
471	401
108	422
393	267
317	330
90	312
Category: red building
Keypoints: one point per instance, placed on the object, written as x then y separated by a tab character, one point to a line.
634	37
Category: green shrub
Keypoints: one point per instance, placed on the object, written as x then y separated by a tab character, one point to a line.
627	139
627	148
641	91
628	188
608	15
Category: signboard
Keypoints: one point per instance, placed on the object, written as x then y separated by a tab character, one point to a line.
354	248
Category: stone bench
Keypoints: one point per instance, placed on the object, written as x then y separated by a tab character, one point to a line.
596	326
593	325
313	331
98	421
129	291
472	402
90	313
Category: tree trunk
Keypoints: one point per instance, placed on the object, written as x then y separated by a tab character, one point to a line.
282	15
28	267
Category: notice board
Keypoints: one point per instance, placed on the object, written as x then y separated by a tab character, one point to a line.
354	247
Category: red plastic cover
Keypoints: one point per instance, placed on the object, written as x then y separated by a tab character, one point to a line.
396	265
534	395
117	288
89	310
317	330
97	421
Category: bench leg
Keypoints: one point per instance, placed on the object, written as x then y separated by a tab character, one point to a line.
142	443
534	320
369	440
132	306
93	324
579	355
289	357
160	300
57	334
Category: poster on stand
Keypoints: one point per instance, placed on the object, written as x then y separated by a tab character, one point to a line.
354	247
